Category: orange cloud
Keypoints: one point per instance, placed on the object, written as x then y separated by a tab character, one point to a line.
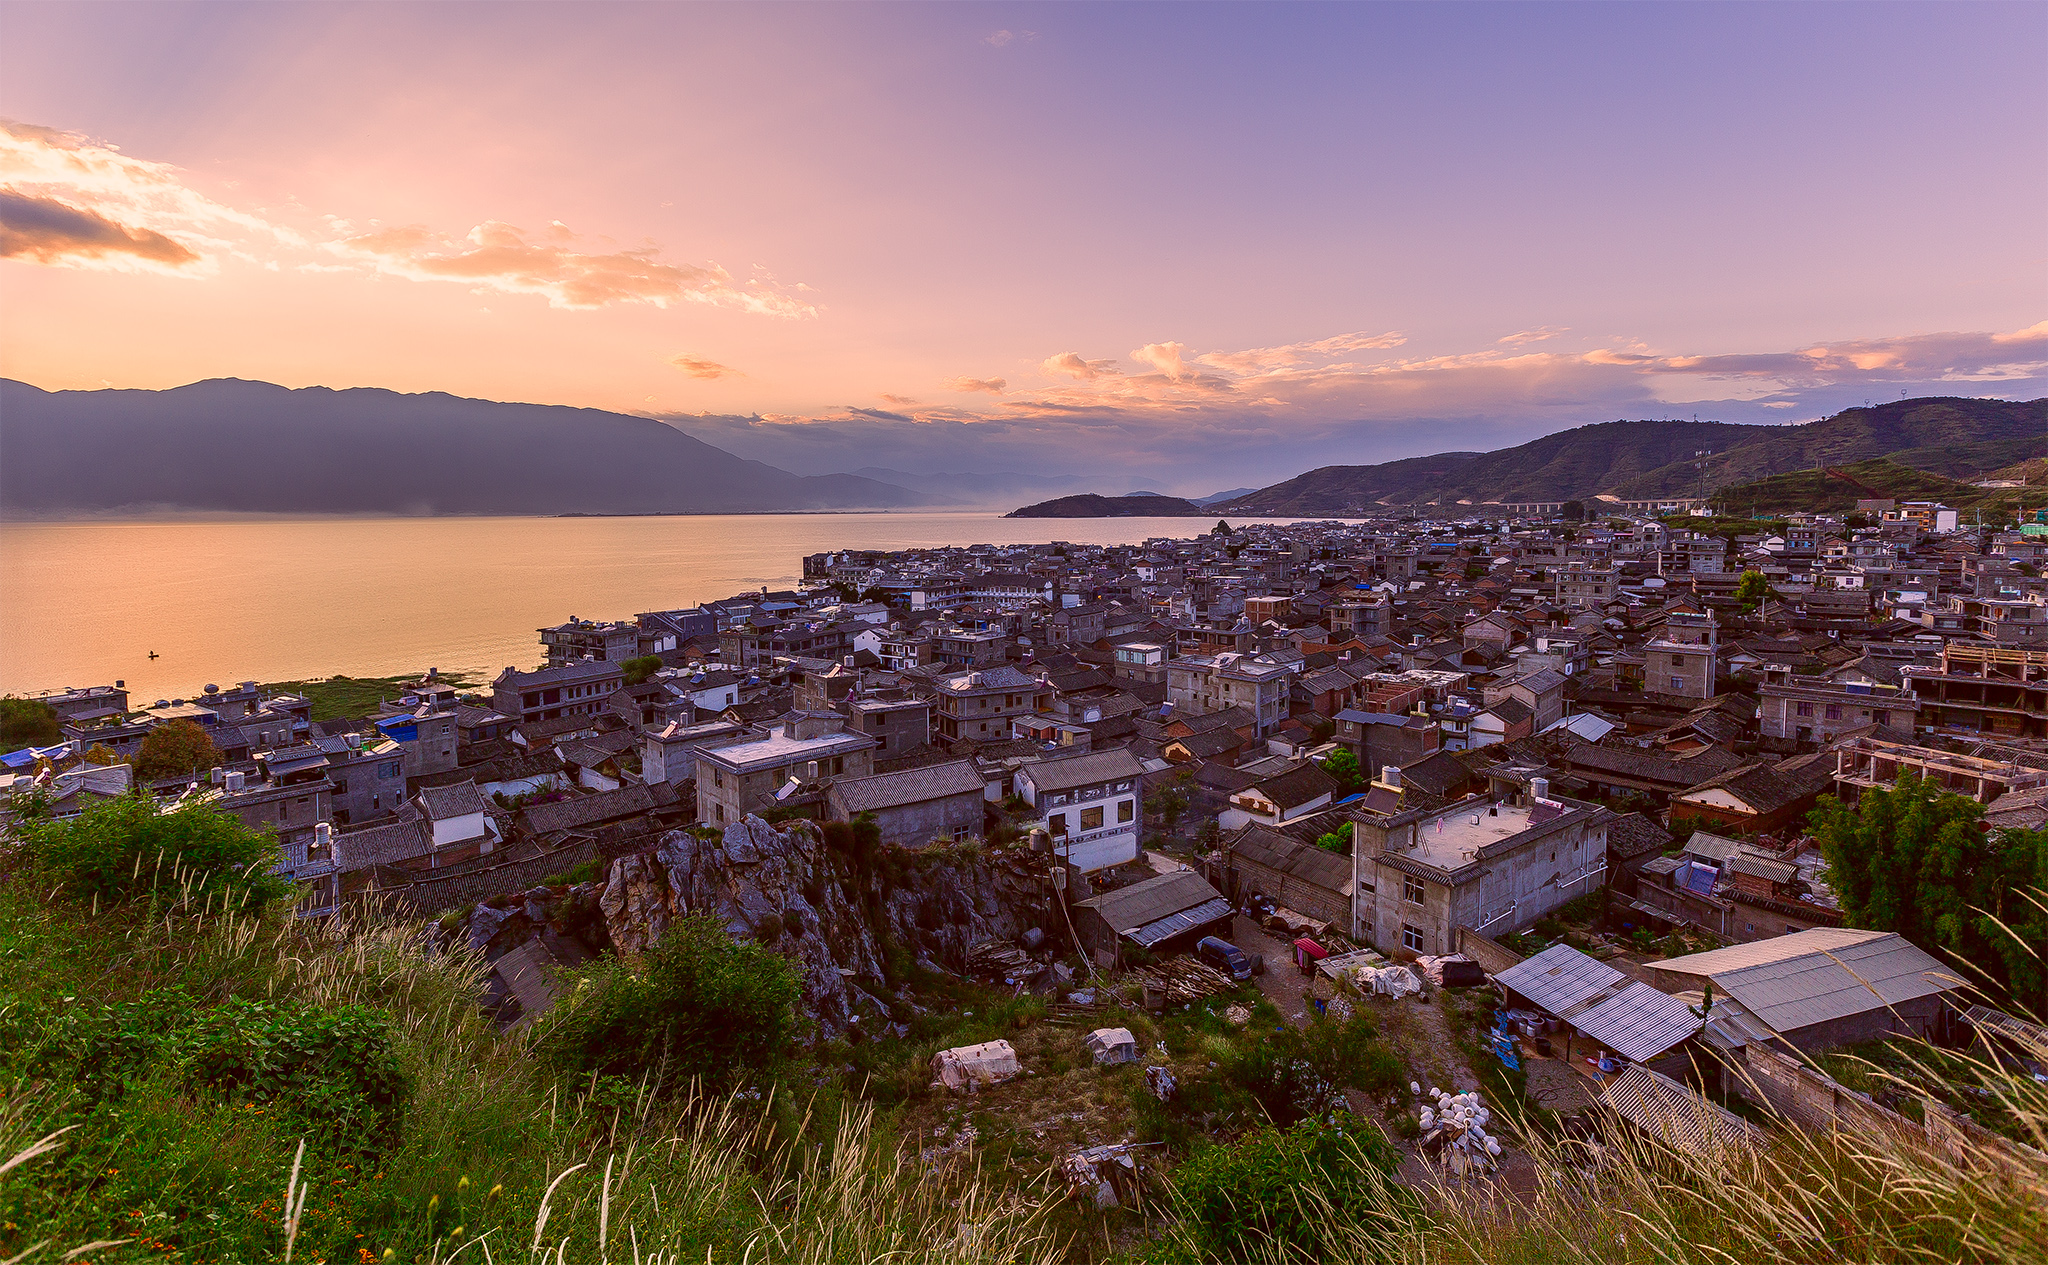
499	256
1070	364
1541	333
900	401
698	367
994	386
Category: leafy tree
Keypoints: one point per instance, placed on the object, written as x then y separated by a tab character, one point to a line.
1916	859
1337	841
177	749
1574	511
1752	590
1343	766
1222	528
698	1007
101	754
24	722
125	846
638	670
1170	802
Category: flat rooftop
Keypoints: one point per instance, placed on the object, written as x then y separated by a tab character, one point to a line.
1452	840
778	749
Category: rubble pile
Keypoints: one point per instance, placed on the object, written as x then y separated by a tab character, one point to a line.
1454	1132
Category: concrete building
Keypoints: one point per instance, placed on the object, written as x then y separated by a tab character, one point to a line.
1680	661
1089	805
1866	762
1494	866
896	725
745	777
934	803
1991	690
1820	708
980	706
1202	684
582	688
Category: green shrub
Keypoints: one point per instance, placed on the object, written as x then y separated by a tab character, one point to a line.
125	847
581	872
1274	1193
696	1006
329	1068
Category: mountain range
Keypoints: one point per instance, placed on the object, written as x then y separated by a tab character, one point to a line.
1950	436
237	446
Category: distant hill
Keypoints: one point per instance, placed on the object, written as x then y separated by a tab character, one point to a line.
231	445
1088	505
1946	434
1644	459
1838	488
1218	498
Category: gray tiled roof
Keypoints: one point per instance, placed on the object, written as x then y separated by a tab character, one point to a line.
908	786
459	800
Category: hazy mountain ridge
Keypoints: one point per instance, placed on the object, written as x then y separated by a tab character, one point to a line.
1645	459
237	446
1089	505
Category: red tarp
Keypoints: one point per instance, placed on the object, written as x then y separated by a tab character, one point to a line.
1309	949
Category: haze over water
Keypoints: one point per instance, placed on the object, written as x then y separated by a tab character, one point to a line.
280	600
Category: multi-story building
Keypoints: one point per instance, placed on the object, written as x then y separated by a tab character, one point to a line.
1869	762
1992	690
1680	660
1203	684
610	641
583	688
89	702
896	725
1492	865
1140	661
1821	707
981	706
1088	804
746	777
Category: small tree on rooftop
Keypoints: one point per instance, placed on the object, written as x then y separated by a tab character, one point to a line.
177	749
1343	766
638	670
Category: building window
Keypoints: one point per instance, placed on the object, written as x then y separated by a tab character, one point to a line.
1678	661
1091	818
1057	823
1125	809
390	768
1834	711
1881	717
1677	682
1805	709
1411	938
1411	889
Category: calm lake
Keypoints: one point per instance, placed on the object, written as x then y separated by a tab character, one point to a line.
84	603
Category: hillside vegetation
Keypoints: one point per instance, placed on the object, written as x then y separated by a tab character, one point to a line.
1089	505
195	1075
1828	491
1648	459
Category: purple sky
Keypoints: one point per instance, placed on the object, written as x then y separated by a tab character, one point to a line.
1176	247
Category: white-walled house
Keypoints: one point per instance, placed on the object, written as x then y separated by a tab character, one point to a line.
1089	804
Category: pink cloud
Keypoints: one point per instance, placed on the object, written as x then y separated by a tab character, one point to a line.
993	386
1070	364
499	256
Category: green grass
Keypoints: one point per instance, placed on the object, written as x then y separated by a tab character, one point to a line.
346	697
152	1047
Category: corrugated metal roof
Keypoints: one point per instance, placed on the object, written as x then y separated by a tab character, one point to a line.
1559	978
1775	949
1677	1116
1638	1022
2032	1035
1186	920
1831	981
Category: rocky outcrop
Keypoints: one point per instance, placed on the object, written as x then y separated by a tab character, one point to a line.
843	920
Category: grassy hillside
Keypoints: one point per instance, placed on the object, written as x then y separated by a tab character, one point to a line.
1827	492
1574	463
1961	438
194	1075
1956	429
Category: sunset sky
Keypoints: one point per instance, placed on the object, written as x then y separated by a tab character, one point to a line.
1178	248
